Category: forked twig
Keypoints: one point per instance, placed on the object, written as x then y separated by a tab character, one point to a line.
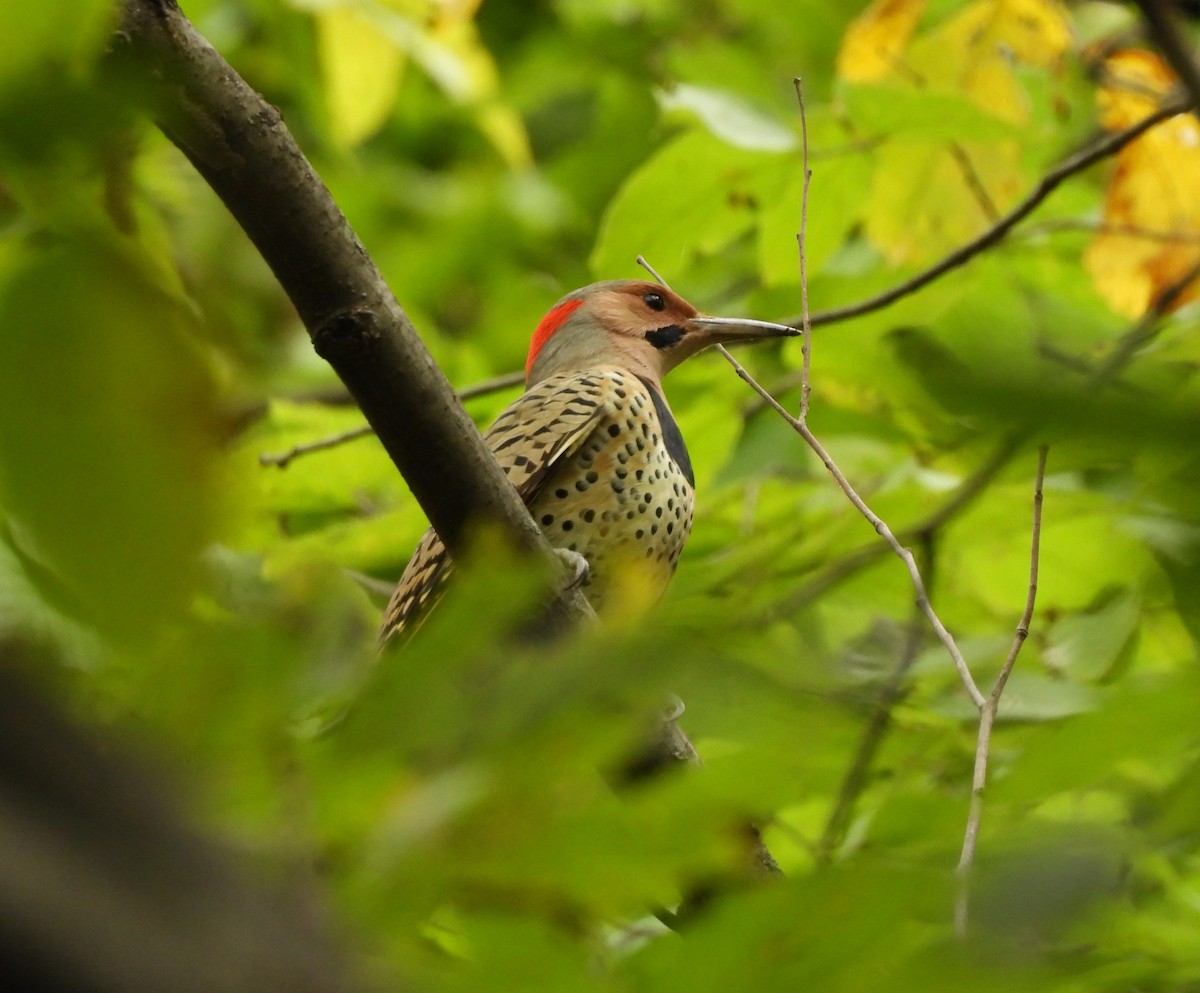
987	706
800	425
987	716
880	526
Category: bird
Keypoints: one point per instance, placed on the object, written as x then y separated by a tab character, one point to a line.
592	446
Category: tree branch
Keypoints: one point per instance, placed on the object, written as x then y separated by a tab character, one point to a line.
1082	159
239	144
880	526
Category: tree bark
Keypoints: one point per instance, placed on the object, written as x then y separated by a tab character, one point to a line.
240	145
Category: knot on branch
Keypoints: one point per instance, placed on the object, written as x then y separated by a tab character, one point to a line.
344	334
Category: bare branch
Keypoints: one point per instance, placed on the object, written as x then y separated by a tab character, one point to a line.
642	261
1085	157
239	144
963	497
800	425
801	241
881	528
987	717
281	460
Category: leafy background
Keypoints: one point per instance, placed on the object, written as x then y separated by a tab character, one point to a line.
446	807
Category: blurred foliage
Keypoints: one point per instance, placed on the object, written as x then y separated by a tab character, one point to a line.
452	801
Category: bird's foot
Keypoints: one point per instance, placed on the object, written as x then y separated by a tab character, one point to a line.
575	568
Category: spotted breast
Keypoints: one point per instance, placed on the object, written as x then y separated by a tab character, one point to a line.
601	463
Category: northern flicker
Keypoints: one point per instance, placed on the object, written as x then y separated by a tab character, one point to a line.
592	446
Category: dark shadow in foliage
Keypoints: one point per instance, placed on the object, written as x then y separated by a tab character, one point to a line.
105	887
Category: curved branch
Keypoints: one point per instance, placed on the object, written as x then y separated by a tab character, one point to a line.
1083	158
240	145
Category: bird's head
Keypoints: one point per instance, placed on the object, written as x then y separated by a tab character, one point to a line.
631	323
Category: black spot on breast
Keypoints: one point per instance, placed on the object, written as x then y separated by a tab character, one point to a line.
665	337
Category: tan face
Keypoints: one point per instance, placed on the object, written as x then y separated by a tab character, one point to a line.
645	312
634	324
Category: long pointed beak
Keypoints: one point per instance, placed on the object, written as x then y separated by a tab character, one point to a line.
744	329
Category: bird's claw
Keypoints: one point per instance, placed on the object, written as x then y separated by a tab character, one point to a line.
575	568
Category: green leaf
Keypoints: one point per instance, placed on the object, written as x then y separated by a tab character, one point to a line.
1089	646
672	208
107	430
40	36
362	70
729	118
926	115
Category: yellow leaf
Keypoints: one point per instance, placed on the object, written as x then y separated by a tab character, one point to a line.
876	38
975	52
927	198
362	69
927	194
1151	209
1134	84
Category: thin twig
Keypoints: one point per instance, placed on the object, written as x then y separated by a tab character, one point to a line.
799	424
641	260
967	492
987	717
801	241
1082	159
881	528
1124	348
281	459
974	183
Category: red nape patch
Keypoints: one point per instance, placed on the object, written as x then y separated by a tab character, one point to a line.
550	323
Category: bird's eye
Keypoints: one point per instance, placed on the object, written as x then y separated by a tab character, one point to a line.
655	301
